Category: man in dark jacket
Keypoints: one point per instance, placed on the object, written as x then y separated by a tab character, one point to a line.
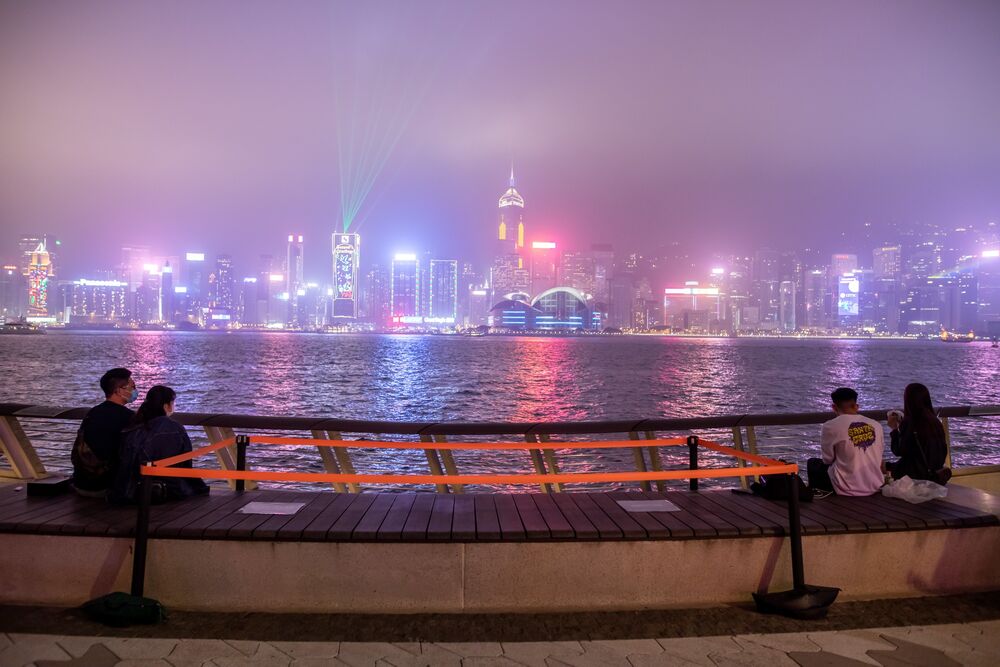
95	454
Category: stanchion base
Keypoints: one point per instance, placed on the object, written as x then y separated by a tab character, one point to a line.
807	603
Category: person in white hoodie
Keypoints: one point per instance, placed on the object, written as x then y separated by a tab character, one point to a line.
851	446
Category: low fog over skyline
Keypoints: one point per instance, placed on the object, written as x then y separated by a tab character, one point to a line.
225	126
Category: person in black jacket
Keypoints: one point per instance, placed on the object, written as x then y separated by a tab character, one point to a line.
918	439
153	436
95	452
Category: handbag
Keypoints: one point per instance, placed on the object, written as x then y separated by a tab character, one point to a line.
84	459
939	476
775	487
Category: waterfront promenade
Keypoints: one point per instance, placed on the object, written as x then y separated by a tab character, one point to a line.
943	631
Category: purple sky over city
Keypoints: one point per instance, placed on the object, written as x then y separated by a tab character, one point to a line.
222	126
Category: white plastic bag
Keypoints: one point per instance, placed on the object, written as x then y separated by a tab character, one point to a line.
914	490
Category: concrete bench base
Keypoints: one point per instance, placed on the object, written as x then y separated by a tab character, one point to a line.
456	577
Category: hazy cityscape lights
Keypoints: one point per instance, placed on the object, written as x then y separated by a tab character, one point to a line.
929	279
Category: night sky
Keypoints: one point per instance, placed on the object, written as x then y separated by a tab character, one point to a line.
222	126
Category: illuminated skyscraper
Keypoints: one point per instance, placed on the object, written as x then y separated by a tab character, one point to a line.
443	290
95	301
346	259
194	276
39	276
405	296
508	275
885	262
577	270
224	284
167	293
604	263
511	227
294	264
27	246
788	307
12	292
544	260
376	296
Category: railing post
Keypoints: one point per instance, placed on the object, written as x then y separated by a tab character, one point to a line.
434	463
16	447
241	459
738	441
141	534
640	461
448	458
693	459
550	460
536	460
329	458
654	461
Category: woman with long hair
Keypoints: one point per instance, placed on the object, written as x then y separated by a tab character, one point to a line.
154	435
918	439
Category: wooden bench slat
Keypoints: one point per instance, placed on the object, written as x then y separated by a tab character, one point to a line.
442	516
582	526
487	520
511	526
536	527
415	528
395	519
344	527
320	526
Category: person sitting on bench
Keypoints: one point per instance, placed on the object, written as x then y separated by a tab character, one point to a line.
851	446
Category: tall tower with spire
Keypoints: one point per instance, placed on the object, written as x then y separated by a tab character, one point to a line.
511	227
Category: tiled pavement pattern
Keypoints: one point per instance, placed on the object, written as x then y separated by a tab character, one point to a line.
976	643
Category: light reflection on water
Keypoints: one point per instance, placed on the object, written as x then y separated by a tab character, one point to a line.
442	378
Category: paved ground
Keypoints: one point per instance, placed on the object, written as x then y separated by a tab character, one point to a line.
932	632
931	646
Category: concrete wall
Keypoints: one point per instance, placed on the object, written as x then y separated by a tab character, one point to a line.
528	577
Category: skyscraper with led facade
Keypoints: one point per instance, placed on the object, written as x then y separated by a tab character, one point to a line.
39	276
346	260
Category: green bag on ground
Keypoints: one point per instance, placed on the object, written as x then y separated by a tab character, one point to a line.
122	610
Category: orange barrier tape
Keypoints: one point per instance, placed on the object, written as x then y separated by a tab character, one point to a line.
376	444
201	451
563	478
471	446
732	451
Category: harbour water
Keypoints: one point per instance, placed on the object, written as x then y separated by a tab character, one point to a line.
452	378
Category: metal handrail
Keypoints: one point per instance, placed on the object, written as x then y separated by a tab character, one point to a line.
316	423
24	463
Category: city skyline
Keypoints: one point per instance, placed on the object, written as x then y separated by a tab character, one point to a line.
924	280
671	122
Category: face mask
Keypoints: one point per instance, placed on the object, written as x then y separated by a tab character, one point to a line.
134	395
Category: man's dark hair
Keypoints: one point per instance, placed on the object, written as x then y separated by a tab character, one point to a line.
114	380
843	395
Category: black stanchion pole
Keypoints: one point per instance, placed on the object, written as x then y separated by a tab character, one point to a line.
804	601
241	459
693	459
141	535
795	534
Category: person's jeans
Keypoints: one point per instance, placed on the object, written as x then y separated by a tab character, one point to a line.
819	475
